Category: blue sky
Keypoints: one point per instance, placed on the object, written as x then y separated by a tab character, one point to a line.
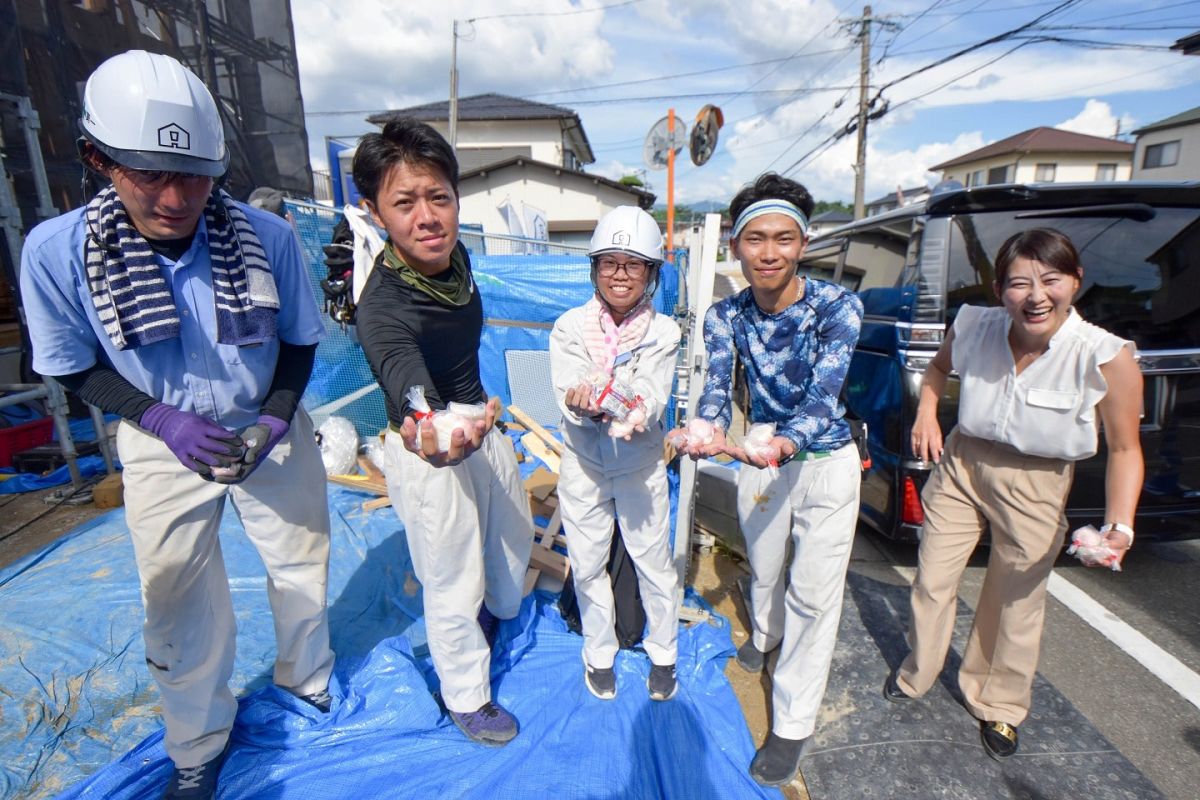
775	67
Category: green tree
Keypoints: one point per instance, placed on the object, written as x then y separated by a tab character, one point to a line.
631	180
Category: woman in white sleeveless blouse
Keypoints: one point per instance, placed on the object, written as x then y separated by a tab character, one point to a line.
1036	380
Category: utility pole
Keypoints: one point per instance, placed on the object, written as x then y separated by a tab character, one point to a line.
454	89
864	72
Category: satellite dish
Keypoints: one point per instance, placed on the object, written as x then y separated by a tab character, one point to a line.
659	143
703	140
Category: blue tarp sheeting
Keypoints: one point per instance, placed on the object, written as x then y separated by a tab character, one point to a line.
77	697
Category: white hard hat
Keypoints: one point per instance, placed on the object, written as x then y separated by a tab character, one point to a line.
628	229
147	111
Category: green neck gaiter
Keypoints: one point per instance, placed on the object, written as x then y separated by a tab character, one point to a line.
453	292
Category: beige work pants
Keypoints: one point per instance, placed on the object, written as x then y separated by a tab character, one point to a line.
1020	500
174	516
591	506
469	534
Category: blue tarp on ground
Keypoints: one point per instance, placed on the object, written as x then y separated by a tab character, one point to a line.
76	694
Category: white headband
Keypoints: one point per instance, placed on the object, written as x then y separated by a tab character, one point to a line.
770	206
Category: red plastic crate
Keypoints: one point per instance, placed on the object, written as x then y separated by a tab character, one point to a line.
22	437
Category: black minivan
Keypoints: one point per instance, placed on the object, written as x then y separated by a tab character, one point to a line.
916	266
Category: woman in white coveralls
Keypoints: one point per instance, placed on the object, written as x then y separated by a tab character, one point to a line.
608	479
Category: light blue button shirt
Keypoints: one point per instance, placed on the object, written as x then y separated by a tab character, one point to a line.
192	372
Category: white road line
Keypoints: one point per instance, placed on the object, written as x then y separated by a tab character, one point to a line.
1159	662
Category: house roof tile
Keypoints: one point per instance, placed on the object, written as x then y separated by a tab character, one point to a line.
1040	140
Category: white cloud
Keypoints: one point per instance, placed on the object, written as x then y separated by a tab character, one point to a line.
1097	119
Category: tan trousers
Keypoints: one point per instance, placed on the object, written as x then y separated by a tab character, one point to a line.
174	516
1020	500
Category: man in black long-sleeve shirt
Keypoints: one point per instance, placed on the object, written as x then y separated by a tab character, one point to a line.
464	509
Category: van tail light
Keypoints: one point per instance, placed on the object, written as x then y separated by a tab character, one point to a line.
911	512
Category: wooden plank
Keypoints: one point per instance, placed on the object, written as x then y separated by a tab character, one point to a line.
378	502
547	540
538	449
370	470
360	482
531	577
530	423
550	562
540	483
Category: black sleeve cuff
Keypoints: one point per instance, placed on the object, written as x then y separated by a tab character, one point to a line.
292	372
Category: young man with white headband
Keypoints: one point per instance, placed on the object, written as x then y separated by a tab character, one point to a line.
794	335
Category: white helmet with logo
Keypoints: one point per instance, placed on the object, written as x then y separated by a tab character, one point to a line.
628	229
147	111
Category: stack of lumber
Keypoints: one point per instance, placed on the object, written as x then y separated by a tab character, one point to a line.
542	488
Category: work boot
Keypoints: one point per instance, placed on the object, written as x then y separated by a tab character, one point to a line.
750	658
196	783
489	725
321	700
777	761
662	683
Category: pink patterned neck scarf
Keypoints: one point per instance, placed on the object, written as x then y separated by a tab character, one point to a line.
605	339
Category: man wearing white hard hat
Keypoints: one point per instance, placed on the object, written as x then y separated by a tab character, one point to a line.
190	316
612	361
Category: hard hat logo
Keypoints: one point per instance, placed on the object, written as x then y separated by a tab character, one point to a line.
621	239
174	136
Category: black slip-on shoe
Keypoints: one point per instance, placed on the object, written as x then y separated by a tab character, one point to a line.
892	690
777	761
750	658
999	739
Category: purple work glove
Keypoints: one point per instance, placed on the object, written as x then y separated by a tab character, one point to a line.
199	443
257	439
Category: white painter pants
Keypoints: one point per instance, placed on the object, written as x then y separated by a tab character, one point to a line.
814	504
638	501
174	516
469	533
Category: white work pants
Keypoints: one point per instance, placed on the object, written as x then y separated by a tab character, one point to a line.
590	504
814	504
174	516
469	534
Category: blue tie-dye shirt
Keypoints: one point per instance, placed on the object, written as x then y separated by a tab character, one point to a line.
796	362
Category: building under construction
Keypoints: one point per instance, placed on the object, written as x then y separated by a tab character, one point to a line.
244	50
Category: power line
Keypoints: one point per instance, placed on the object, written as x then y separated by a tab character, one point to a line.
687	74
554	13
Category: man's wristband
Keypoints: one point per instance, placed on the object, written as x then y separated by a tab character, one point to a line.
1119	527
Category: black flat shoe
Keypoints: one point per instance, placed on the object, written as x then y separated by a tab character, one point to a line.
999	739
892	690
750	658
778	761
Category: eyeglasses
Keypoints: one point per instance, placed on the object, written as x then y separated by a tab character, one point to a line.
633	268
154	178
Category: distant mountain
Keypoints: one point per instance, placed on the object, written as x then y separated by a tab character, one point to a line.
703	207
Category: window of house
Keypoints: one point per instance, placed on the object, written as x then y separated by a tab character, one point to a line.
1106	172
1164	154
1044	173
998	174
977	178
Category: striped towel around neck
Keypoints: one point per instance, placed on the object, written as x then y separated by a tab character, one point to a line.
133	299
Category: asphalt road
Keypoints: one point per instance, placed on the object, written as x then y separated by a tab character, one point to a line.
1156	595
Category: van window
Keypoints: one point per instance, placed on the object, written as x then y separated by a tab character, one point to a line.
1141	279
878	254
